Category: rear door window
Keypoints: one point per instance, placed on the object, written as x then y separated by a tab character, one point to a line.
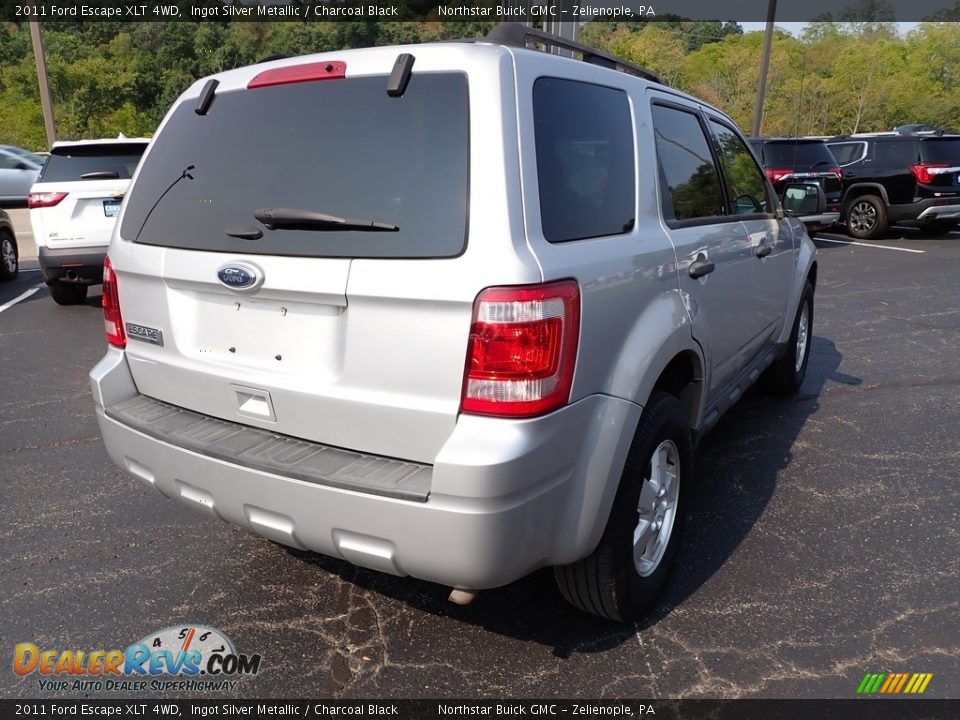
897	153
687	168
585	166
339	147
99	161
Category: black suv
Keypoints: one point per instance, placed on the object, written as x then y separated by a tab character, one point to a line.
903	179
791	160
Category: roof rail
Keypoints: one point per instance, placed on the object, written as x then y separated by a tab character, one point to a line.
517	35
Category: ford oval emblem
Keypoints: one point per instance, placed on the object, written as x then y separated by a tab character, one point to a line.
239	277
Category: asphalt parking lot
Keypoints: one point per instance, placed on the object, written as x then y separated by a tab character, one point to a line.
822	543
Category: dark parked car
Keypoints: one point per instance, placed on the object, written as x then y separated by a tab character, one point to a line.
9	255
899	178
792	160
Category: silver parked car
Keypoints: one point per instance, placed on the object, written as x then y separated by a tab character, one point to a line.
18	171
456	311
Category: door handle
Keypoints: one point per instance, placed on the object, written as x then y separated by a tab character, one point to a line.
700	267
763	250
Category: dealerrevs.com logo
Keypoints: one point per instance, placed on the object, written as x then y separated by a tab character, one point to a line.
185	658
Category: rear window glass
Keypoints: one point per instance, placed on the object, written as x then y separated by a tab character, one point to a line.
101	162
793	154
940	150
337	147
584	139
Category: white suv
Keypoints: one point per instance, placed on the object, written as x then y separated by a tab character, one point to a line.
73	207
456	311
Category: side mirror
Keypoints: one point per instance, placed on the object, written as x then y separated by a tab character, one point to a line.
803	199
807	203
21	166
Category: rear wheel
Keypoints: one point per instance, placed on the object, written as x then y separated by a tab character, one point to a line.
9	257
786	375
866	217
623	577
64	294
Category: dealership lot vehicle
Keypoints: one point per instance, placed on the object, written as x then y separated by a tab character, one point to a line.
788	160
910	179
833	554
18	171
73	208
9	250
301	374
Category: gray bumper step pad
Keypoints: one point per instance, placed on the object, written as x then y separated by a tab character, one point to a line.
271	452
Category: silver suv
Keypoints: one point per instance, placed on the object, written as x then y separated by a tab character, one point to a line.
456	311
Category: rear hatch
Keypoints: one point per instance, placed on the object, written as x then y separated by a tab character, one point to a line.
76	199
939	166
803	160
352	334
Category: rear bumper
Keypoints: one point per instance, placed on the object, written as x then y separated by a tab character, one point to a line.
82	266
940	212
506	496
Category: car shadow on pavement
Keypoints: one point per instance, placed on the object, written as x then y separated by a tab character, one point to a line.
738	465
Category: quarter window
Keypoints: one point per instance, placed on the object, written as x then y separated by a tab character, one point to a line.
848	152
585	166
746	185
686	166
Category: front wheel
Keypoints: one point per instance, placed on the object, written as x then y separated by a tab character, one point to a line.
622	578
786	375
9	257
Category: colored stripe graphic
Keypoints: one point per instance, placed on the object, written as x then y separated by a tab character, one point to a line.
894	683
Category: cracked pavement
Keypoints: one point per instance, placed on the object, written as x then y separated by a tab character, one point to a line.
821	544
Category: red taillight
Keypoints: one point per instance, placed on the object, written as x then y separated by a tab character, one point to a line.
329	70
522	349
112	321
776	175
44	199
838	171
925	172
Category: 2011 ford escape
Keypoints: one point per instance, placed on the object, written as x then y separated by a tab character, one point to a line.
456	311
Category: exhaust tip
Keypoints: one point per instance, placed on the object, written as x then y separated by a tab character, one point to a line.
459	596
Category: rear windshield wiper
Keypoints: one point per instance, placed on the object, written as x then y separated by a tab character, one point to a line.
293	219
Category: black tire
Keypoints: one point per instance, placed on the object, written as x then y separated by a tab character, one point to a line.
607	582
65	294
866	217
9	257
786	375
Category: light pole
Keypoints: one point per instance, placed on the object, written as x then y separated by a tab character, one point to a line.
45	101
764	66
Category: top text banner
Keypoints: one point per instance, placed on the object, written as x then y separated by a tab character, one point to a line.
856	11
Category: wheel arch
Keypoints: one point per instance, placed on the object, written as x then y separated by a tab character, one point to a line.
855	191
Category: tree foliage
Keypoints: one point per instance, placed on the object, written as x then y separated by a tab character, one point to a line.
839	76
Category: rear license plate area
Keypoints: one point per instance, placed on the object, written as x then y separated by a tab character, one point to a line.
111	208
